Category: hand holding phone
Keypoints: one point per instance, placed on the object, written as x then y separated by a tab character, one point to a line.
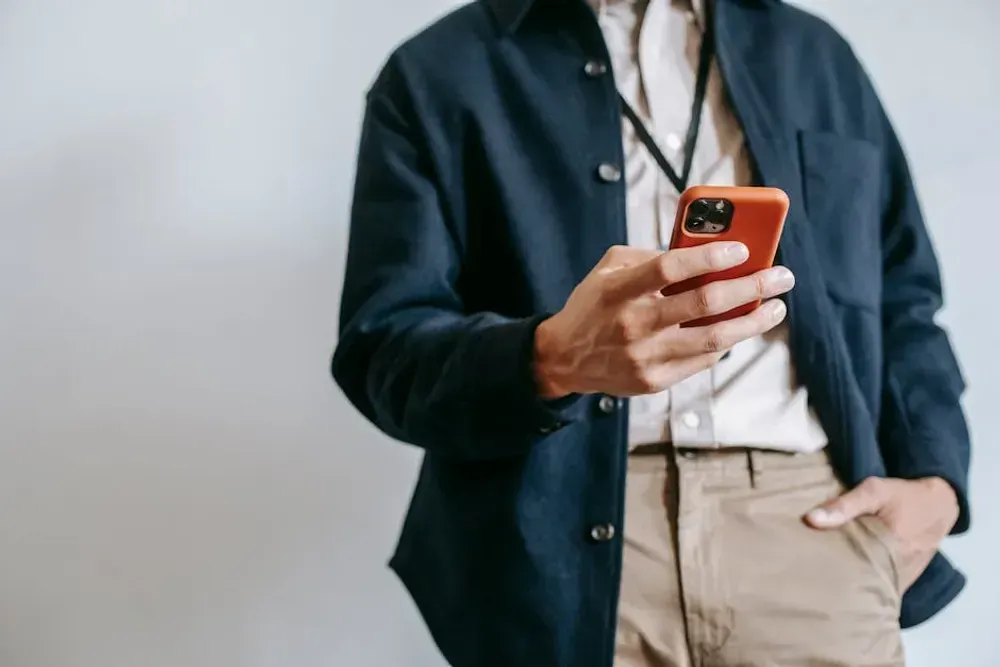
619	335
753	216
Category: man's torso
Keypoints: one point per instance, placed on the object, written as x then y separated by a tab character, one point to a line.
752	397
519	134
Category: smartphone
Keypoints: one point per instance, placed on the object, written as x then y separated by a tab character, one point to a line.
753	216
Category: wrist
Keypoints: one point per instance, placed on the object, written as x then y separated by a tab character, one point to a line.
545	364
945	497
941	489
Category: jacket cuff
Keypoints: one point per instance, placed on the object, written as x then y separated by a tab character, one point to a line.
926	456
544	416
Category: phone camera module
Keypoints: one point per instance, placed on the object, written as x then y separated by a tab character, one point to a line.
709	216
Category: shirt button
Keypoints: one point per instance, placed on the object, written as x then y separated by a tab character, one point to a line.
673	142
607	404
602	533
595	68
691	419
609	173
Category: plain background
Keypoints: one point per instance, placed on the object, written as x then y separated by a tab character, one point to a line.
181	484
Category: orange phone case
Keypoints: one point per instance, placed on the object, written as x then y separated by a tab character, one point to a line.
757	221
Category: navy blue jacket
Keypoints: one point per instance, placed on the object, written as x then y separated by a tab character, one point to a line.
478	208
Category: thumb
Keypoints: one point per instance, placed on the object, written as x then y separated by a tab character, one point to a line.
866	498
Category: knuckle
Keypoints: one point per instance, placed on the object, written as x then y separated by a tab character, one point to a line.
669	314
634	362
614	251
665	267
648	383
605	292
626	326
708	256
706	299
759	286
612	256
872	486
714	340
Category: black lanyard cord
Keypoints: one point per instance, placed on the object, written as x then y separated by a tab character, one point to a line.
701	86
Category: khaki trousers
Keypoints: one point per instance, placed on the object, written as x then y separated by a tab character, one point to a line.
721	571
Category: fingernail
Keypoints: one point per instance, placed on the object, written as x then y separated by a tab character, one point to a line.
775	310
780	279
822	517
734	253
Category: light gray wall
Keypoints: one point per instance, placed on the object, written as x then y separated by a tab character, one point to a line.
180	482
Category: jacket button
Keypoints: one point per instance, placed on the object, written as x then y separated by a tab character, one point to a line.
604	532
609	173
607	404
595	68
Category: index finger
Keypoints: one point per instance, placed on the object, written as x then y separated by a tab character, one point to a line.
620	257
866	498
676	266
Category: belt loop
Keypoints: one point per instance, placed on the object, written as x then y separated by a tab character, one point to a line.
752	468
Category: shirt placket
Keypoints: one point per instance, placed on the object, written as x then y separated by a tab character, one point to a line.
689	419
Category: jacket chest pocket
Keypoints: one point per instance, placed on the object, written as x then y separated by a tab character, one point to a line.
842	186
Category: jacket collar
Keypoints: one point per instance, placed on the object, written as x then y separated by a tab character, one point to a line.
510	13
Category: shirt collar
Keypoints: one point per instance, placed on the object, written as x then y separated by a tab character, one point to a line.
510	13
695	7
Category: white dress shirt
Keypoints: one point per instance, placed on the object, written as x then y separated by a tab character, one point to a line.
752	398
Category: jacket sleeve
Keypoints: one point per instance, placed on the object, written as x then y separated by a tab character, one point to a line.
923	429
410	357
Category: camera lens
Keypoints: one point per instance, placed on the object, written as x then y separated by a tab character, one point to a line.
695	224
699	208
715	215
